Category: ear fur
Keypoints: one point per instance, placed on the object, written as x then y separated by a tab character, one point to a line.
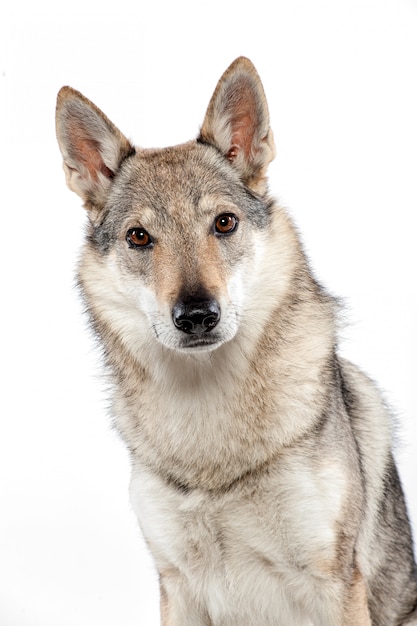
237	123
91	146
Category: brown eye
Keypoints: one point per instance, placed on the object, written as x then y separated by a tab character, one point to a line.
225	224
138	238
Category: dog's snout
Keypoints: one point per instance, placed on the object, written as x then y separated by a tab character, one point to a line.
196	316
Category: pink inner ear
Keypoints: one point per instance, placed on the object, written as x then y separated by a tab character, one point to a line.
87	151
243	130
243	119
233	152
108	173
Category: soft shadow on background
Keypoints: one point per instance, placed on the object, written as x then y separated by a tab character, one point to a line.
340	81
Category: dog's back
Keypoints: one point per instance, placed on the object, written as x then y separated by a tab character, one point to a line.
263	477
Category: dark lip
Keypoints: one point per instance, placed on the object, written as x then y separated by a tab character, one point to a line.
199	343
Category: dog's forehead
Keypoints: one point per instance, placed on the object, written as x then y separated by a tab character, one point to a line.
183	176
177	186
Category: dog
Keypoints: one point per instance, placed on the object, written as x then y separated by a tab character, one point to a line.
263	477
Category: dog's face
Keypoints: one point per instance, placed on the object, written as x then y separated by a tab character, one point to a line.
173	232
178	236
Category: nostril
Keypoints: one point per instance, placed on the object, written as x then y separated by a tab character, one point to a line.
211	320
196	316
186	325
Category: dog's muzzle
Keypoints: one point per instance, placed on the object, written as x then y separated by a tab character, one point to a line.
196	316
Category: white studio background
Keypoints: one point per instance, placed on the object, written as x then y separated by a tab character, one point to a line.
340	77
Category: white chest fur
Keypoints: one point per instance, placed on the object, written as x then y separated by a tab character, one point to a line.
253	553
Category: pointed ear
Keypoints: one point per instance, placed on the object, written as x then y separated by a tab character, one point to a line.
91	146
237	122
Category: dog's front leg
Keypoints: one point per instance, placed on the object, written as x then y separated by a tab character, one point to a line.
178	608
356	607
342	603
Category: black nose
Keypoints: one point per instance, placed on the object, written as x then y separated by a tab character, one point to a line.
195	316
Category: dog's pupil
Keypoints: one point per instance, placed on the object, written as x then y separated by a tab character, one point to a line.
140	235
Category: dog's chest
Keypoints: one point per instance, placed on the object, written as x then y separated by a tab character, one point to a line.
239	553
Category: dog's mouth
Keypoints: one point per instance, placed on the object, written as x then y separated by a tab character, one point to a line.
201	343
192	344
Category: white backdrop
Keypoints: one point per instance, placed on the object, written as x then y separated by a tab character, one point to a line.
340	77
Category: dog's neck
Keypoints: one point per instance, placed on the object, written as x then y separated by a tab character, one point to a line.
175	403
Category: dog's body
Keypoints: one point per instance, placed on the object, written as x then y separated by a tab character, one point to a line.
263	478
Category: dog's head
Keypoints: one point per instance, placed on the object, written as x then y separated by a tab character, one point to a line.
175	234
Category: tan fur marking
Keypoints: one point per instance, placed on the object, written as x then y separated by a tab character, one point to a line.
185	275
357	612
167	284
164	604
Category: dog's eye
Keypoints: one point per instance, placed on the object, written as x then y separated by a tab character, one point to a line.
138	238
225	224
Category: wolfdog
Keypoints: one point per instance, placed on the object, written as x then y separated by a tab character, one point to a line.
263	476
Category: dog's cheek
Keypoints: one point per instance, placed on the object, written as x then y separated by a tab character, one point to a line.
147	302
247	260
135	266
235	289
